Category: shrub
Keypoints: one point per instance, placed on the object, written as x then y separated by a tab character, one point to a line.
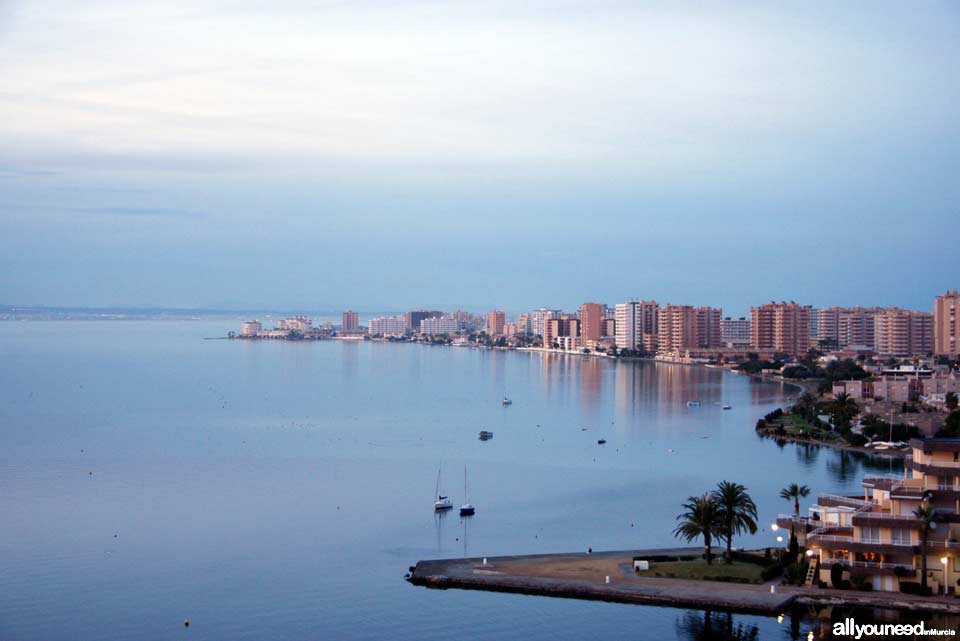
912	587
836	576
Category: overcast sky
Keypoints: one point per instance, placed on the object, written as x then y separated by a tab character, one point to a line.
386	155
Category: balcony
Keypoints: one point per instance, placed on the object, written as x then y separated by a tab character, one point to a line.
883	519
870	567
835	500
940	468
801	523
884	483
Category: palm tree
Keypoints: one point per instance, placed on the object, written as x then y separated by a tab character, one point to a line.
926	517
737	511
844	408
700	518
795	492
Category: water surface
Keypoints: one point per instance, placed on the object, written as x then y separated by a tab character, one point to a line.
276	490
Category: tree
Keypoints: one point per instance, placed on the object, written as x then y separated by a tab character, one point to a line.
795	492
926	516
737	512
844	408
700	517
951	400
951	426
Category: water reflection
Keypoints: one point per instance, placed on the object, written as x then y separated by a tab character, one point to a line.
714	626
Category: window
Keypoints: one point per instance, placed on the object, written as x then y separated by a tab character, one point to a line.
945	482
870	534
900	535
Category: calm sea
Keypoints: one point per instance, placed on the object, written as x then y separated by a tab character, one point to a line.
274	490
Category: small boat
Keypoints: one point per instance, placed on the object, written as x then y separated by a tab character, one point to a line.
693	403
467	508
485	435
602	441
507	401
443	502
727	407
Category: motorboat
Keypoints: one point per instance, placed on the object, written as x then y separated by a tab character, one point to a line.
693	403
485	435
507	401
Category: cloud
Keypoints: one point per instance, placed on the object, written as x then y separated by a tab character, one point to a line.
163	212
10	171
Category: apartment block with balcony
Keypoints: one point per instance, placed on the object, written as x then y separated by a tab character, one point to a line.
946	325
876	536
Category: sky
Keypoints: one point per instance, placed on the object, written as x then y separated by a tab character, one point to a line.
387	155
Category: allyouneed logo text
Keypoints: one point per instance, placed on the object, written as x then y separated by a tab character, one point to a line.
851	628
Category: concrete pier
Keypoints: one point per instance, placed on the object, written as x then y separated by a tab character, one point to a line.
584	576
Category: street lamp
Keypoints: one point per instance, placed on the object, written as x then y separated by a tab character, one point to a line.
779	539
943	560
809	553
774	527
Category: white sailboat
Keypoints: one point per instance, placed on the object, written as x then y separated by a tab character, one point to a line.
467	508
443	502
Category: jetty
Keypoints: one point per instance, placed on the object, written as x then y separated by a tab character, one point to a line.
610	576
585	575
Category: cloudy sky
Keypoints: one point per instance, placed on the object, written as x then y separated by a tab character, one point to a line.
390	154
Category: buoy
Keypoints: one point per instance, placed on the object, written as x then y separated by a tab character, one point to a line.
186	623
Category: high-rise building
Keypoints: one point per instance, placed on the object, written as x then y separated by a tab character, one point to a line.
539	317
735	332
387	325
946	329
591	321
901	332
781	327
636	325
609	327
523	324
439	325
412	319
250	328
684	327
351	322
495	321
847	327
555	328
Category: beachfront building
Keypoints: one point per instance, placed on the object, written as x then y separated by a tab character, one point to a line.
250	329
350	323
946	328
876	535
903	333
300	324
780	327
495	321
439	325
539	317
847	327
387	326
412	319
735	332
556	328
591	321
635	325
684	327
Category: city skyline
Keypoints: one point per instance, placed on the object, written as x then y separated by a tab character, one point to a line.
329	153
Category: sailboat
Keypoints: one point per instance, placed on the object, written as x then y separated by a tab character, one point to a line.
443	502
467	508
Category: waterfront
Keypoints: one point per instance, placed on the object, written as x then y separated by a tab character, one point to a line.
281	489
